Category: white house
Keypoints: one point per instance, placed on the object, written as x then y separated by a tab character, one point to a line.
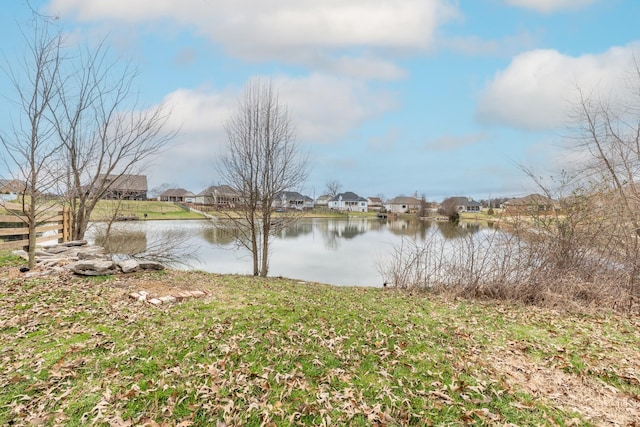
292	200
349	202
177	195
374	203
323	201
218	195
464	204
402	204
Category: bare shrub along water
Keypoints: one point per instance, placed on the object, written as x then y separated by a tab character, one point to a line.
565	260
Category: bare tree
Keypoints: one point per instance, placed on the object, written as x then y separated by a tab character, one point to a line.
423	211
103	129
333	187
262	160
449	208
32	147
608	129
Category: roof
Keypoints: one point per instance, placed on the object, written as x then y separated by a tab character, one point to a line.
177	192
375	200
324	197
217	189
292	195
464	201
349	196
125	182
403	200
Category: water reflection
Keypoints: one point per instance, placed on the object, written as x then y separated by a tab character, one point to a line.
222	235
343	251
122	241
455	231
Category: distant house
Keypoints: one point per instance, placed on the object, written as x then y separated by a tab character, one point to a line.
222	196
374	203
10	188
533	203
465	204
292	200
179	195
349	202
124	187
323	201
403	204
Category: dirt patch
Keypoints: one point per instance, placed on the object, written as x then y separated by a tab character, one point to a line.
600	403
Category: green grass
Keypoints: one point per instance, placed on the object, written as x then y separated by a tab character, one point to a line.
8	259
258	351
133	208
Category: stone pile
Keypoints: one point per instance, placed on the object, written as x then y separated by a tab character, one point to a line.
166	299
82	259
89	260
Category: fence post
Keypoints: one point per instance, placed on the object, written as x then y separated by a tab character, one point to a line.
65	225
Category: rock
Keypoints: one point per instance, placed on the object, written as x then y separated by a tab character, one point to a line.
82	259
57	249
21	253
155	301
167	299
74	243
151	265
91	252
129	265
93	267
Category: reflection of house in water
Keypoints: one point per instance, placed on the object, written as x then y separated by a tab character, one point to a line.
349	228
333	231
405	227
454	231
297	228
220	234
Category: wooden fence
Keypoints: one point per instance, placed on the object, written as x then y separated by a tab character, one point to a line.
14	231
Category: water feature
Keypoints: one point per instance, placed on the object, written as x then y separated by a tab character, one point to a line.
336	251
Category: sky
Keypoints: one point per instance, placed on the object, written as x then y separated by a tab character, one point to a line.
388	97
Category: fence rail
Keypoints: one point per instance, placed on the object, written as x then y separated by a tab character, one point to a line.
14	231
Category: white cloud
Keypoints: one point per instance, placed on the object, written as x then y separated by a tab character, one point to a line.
336	30
281	23
324	109
538	90
549	6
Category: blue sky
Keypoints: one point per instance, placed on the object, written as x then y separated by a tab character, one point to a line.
389	97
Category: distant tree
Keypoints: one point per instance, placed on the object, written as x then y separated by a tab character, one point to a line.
423	211
262	160
156	191
449	208
333	187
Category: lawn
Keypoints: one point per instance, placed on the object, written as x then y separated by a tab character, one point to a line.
281	352
137	209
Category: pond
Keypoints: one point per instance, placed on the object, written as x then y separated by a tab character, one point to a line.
336	251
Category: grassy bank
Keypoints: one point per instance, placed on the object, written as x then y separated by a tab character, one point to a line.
259	351
165	210
137	209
